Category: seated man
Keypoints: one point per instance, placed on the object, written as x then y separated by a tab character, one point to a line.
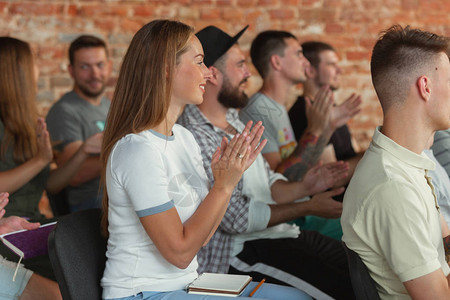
79	114
323	71
252	237
277	55
391	217
27	285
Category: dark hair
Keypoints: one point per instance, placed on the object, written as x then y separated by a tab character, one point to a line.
399	57
312	50
85	41
144	87
266	44
18	111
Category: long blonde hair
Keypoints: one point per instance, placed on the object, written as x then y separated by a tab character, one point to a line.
142	95
18	111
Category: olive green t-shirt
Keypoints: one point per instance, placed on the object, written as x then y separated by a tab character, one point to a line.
23	202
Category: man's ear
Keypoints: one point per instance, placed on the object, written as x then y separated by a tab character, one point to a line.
215	75
311	72
70	69
424	87
275	62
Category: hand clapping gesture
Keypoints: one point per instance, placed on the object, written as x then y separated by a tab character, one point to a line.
93	144
318	111
322	177
232	158
45	151
342	113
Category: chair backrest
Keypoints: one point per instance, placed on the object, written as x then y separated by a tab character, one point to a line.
363	285
77	253
58	203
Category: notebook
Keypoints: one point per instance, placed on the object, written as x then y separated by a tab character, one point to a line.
28	243
219	284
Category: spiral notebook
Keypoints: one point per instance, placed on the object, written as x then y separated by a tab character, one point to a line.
219	284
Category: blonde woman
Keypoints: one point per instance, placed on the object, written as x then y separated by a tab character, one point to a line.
157	203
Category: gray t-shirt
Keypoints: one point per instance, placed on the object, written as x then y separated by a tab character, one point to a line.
441	149
278	130
74	119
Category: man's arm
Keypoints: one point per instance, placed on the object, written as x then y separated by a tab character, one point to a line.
323	119
318	179
89	169
69	171
321	205
433	286
311	144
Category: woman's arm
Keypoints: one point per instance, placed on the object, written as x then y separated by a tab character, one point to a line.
14	179
179	242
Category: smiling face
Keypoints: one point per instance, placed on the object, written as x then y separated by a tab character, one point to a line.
235	74
190	75
90	71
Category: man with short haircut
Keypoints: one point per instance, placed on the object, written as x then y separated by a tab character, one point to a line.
391	217
252	237
80	114
324	70
278	57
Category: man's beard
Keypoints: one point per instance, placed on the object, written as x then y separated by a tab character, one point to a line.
91	94
232	97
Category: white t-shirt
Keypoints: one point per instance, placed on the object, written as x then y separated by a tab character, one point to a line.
258	180
148	173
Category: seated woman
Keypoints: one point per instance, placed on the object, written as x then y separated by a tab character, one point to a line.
27	285
157	207
25	149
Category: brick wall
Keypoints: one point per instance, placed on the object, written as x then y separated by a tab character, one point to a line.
350	25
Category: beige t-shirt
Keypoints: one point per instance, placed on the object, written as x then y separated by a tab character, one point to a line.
391	217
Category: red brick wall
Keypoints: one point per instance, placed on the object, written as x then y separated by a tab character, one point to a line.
350	25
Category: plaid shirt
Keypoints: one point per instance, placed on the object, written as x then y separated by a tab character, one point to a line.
216	255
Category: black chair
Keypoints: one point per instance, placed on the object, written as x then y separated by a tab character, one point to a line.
363	285
59	204
77	253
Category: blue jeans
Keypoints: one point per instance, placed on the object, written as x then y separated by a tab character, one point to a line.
266	291
10	289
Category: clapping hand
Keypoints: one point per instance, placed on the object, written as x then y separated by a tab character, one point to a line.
3	201
232	158
322	177
318	111
44	146
342	113
93	144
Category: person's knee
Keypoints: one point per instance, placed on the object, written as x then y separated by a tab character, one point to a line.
39	287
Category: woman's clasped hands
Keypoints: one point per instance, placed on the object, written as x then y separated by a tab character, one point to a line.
232	158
